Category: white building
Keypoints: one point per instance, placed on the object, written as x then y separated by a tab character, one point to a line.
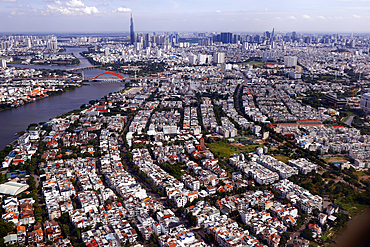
193	59
290	61
3	63
365	103
268	57
219	57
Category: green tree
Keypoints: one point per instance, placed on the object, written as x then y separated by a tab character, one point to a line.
307	234
5	228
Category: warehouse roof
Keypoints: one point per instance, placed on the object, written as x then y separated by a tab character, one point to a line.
12	188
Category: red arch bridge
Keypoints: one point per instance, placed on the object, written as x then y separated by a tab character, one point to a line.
116	76
109	73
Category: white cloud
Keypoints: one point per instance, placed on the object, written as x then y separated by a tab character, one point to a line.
278	18
218	11
357	16
91	10
17	13
72	7
292	18
320	17
306	17
120	9
75	4
8	1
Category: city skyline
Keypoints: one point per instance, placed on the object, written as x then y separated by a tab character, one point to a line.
235	16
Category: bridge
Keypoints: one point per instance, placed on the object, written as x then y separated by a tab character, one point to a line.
103	79
83	68
119	77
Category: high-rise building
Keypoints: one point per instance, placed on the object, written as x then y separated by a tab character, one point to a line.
52	43
28	43
267	35
273	34
365	103
268	56
3	63
132	33
226	38
219	57
294	35
193	59
290	61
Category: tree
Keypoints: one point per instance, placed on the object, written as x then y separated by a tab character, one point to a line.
284	238
307	234
180	211
153	240
5	228
315	212
65	230
192	219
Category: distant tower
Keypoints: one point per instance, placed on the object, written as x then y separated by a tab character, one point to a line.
132	33
273	33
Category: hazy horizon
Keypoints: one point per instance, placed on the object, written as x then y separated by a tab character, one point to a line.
76	16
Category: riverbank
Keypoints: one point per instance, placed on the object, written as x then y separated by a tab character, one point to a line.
51	94
74	62
17	119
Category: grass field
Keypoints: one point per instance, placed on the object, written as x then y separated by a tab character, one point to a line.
250	148
240	138
258	64
361	174
282	158
352	208
222	149
327	235
335	159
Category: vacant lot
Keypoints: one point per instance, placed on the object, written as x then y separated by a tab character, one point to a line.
335	159
282	158
222	149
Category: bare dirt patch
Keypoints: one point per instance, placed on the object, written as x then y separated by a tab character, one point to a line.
364	177
237	145
335	159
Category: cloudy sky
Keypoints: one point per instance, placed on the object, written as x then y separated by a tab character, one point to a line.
185	15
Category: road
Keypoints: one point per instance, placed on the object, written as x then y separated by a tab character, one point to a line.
297	233
238	96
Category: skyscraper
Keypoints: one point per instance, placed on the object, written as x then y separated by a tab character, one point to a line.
226	38
132	33
272	35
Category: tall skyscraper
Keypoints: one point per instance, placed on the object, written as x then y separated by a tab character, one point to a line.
272	35
226	38
132	33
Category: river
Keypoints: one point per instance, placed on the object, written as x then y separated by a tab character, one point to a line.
357	232
76	52
18	119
